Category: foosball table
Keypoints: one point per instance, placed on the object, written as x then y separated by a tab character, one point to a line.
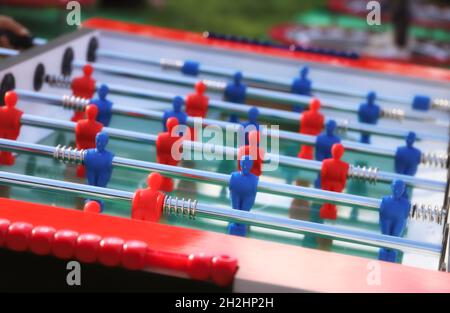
331	179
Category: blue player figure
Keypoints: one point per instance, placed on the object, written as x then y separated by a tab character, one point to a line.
301	85
176	111
235	91
407	158
98	162
252	123
369	113
394	212
103	105
324	142
243	187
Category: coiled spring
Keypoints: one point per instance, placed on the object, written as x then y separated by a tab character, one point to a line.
58	81
179	207
69	154
441	104
427	213
343	126
434	159
170	64
214	85
74	103
364	173
395	114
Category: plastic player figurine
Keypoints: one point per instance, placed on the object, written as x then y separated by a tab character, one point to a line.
9	125
301	85
236	91
176	112
164	146
326	140
147	202
243	187
407	158
311	123
197	103
369	113
333	178
84	87
103	105
394	212
252	123
254	151
86	131
98	162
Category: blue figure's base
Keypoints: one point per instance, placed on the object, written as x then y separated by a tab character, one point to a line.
297	108
387	255
365	138
317	183
237	229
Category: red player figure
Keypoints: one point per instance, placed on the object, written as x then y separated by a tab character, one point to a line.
84	87
197	104
164	154
333	178
254	151
85	133
9	125
147	203
311	123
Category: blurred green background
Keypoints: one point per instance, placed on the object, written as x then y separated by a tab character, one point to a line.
250	18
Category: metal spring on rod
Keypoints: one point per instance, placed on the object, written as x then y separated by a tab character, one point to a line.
364	173
176	206
425	212
69	154
170	64
441	104
434	159
58	81
395	114
74	103
214	85
343	126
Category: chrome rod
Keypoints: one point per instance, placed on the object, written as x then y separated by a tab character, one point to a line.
252	93
253	79
157	115
33	120
204	176
215	212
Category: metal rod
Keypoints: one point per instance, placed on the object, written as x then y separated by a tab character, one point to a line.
8	52
254	79
33	120
215	212
251	92
157	115
198	175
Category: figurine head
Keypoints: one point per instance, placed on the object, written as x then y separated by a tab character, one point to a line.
410	139
330	127
337	151
237	78
88	70
253	114
398	188
103	91
371	97
101	141
177	103
91	112
171	123
304	72
314	105
154	181
10	99
246	164
200	87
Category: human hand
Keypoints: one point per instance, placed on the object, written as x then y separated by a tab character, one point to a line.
9	24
